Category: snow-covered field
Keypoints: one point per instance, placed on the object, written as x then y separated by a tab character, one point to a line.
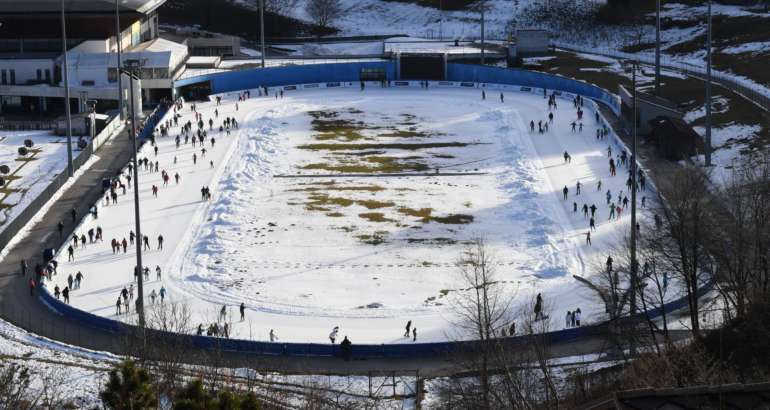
29	175
366	253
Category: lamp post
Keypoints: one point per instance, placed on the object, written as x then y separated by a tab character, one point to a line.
708	89
68	114
119	47
483	6
262	28
657	48
131	68
634	171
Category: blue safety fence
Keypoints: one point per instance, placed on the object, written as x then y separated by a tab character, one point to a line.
332	75
291	75
152	120
470	74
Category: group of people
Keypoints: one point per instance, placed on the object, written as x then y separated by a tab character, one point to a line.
573	318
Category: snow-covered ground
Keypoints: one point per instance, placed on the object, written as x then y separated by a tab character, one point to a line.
363	253
29	175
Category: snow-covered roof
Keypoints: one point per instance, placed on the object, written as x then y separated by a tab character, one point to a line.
158	53
42	6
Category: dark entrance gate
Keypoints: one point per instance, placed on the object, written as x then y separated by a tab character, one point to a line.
196	92
422	67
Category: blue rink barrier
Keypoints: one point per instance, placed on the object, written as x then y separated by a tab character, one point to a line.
340	75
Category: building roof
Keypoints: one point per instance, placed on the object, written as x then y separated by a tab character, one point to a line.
76	6
158	53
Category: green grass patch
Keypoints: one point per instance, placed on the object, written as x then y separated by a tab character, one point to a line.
453	219
375	217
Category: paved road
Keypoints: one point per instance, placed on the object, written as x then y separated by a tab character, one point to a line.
18	307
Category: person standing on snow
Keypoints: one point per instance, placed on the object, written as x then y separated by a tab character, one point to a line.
333	334
408	326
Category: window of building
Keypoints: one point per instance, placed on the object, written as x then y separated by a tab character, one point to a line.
13	76
4	78
39	75
48	75
88	83
112	75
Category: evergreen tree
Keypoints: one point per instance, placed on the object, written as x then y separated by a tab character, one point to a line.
129	388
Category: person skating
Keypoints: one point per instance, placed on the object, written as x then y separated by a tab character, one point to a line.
60	228
65	293
162	293
74	215
273	335
408	326
78	279
565	191
56	292
576	317
117	306
592	224
146	272
146	240
153	295
588	238
333	334
157	272
538	307
243	311
125	245
131	237
568	320
502	98
483	95
223	313
70	253
160	242
414	334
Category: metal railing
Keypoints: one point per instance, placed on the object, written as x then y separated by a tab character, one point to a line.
751	91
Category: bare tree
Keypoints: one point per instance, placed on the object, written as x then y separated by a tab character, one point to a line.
281	7
684	221
741	245
482	308
323	12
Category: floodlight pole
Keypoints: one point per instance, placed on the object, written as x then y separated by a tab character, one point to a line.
657	49
262	28
441	20
68	114
119	46
482	5
131	66
634	171
708	90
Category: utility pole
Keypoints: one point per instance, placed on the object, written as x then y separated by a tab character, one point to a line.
708	89
441	20
634	171
483	6
657	49
68	114
133	66
117	69
262	28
